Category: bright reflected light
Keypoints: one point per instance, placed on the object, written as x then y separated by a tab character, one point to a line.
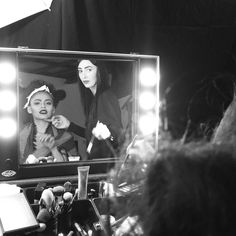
7	100
7	73
148	123
8	127
147	100
148	77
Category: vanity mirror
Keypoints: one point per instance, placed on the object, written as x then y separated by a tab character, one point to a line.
134	93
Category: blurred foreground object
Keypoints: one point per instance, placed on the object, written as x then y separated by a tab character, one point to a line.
190	190
16	214
226	130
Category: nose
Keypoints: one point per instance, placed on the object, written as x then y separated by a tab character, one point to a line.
43	105
82	74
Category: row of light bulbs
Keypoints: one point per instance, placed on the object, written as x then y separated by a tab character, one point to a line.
8	100
148	101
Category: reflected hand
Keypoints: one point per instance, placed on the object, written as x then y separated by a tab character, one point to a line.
46	140
31	159
101	131
60	122
38	144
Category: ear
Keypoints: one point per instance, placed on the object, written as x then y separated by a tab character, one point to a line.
53	111
29	110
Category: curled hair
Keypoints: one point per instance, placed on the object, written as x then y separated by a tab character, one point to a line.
57	95
190	190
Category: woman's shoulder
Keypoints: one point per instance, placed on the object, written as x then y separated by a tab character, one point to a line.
108	95
26	127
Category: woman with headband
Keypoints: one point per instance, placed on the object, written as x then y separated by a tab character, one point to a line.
40	141
103	127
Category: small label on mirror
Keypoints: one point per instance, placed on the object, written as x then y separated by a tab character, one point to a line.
8	173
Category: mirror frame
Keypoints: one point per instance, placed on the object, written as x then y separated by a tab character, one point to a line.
98	166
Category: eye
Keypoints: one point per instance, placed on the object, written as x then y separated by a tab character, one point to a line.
49	103
36	103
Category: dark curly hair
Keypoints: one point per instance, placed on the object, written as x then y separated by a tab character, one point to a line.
57	95
190	190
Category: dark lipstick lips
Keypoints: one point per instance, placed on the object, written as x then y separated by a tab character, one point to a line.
43	112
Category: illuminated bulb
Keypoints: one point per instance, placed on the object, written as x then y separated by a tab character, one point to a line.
7	73
8	127
148	123
7	100
148	77
147	100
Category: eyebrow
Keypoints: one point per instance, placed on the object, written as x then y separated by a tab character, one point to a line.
38	99
86	67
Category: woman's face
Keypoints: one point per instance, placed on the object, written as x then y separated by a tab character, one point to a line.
41	106
88	74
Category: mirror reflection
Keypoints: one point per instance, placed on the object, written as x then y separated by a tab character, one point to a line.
73	109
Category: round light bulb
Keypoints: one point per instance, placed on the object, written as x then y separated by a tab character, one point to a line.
148	77
148	123
147	100
7	100
8	127
7	73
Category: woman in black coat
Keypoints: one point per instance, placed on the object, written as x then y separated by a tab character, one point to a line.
103	124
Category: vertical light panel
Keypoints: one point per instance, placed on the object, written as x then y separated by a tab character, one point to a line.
148	97
8	116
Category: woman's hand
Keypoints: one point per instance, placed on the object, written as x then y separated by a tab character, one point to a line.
31	159
60	122
101	131
46	140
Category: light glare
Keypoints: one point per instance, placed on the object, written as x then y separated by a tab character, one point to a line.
7	73
147	100
148	77
148	123
8	127
7	100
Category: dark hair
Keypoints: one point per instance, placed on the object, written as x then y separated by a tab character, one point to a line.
102	84
57	95
191	190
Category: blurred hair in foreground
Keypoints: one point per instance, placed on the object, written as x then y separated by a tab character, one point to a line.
191	190
186	189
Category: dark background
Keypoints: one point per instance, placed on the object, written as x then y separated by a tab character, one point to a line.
196	42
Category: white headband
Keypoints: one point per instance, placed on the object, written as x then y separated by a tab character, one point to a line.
42	88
